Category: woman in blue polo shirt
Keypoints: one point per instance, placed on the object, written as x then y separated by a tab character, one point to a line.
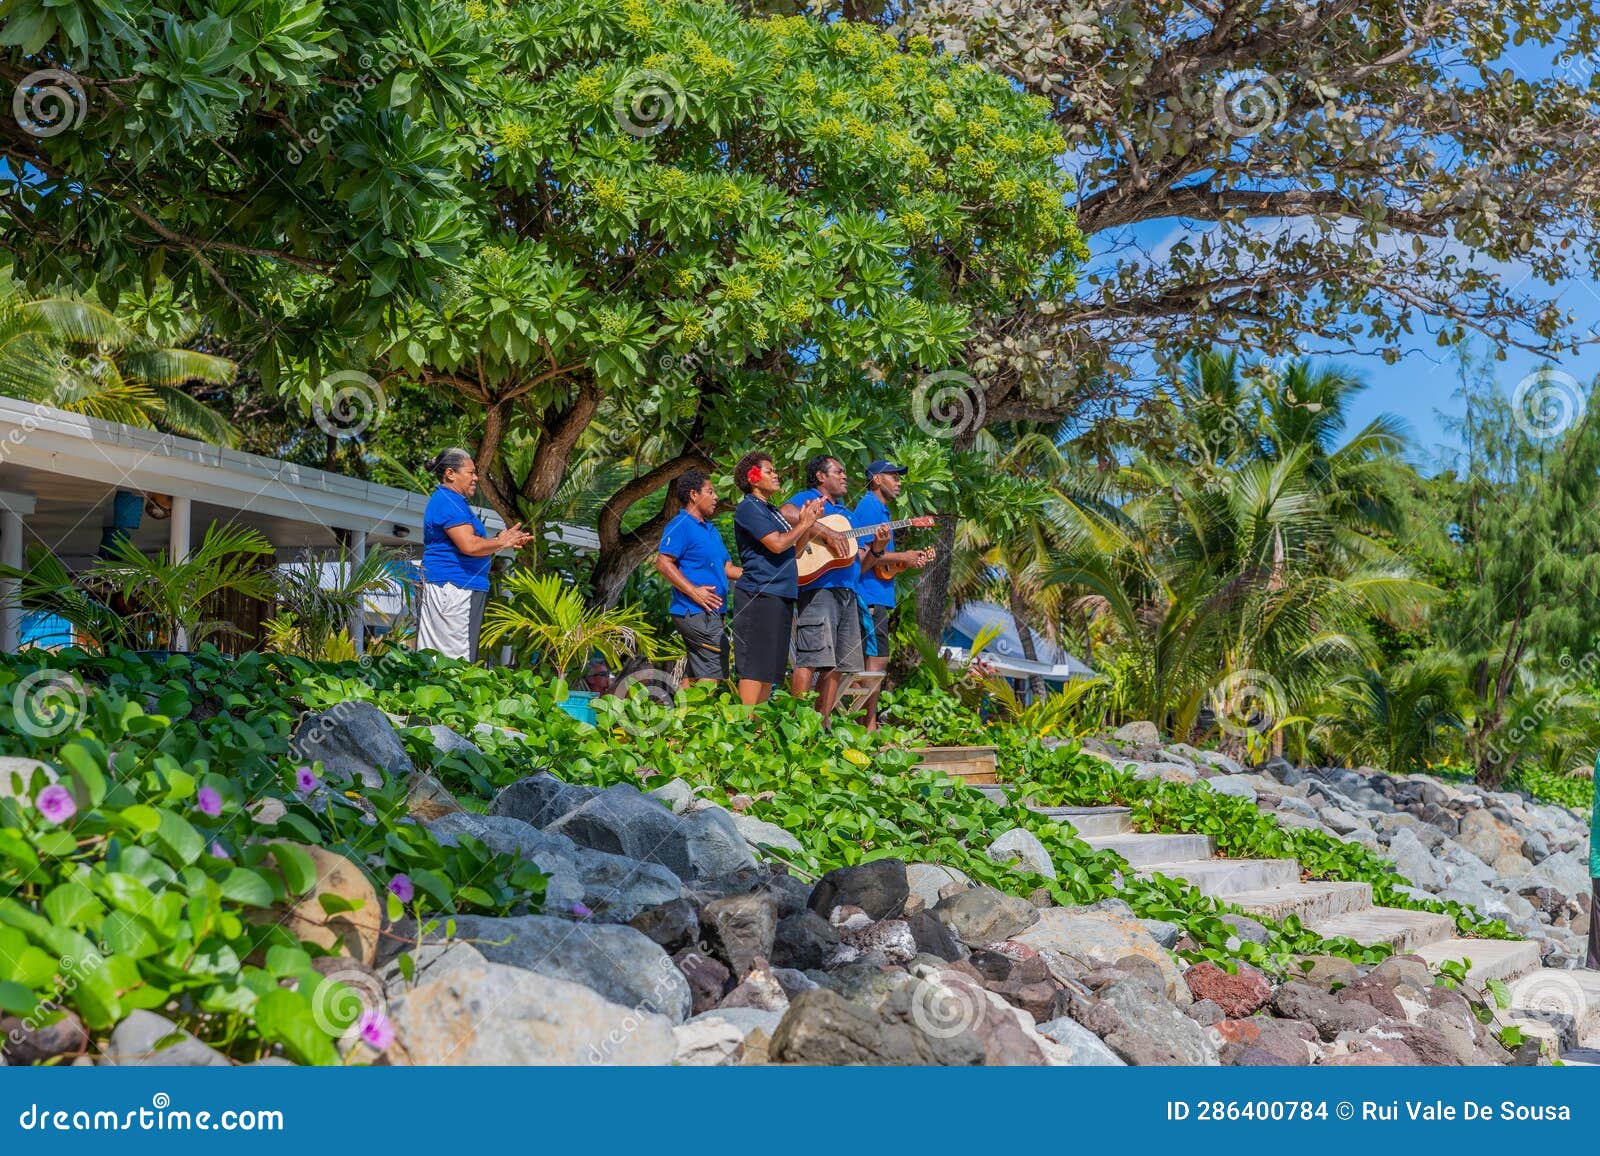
456	554
693	559
769	584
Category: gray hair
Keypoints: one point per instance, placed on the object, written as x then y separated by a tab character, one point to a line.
451	459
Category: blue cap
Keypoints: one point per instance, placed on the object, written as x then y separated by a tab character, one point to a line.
882	467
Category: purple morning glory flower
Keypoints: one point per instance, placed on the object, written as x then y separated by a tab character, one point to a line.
580	910
208	802
304	780
400	887
55	803
375	1029
218	851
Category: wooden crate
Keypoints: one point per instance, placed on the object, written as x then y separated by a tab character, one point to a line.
975	765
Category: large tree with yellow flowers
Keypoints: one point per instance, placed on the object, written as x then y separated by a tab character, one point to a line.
585	219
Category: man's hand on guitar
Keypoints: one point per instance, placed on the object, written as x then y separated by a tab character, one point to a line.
922	559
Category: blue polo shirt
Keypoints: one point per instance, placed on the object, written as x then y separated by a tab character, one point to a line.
873	591
697	548
764	571
844	576
441	562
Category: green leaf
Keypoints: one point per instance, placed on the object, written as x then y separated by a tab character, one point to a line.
298	869
143	819
1501	993
72	905
338	904
86	771
17	999
285	1017
180	837
242	885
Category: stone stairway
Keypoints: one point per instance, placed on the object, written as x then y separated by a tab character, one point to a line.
1554	1004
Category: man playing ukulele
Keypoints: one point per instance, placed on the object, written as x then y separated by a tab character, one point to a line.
875	591
827	621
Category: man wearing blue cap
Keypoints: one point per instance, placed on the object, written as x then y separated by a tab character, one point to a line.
875	592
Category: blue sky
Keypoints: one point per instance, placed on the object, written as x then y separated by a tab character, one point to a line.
1419	387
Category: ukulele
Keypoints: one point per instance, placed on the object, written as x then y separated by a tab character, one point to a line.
816	559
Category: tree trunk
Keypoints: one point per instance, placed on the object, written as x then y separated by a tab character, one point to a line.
1029	650
933	585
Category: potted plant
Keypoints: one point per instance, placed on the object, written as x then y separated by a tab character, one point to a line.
549	624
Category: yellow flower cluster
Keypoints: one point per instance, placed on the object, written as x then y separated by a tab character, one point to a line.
963	153
608	194
591	87
769	261
920	44
990	114
1008	144
788	28
1008	190
806	108
795	312
915	222
1042	144
514	135
727	196
985	169
707	61
939	90
944	110
1042	193
883	93
806	82
739	289
672	182
758	332
829	127
683	280
692	330
859	128
635	17
839	99
476	10
612	323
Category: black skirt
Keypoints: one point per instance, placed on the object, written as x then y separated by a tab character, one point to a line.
761	626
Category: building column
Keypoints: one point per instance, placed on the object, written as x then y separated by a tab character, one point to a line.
178	534
13	508
355	556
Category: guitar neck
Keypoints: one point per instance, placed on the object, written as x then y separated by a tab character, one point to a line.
870	531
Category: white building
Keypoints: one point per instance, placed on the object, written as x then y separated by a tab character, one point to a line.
59	473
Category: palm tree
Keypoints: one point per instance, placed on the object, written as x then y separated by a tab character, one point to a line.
1400	720
549	620
78	356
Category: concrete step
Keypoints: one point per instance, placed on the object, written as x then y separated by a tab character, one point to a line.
1088	821
1148	850
996	792
1310	901
1404	930
1557	1004
1227	878
1503	959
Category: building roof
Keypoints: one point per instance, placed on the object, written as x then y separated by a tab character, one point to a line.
70	465
1005	652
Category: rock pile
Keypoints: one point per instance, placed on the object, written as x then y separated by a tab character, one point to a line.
1509	857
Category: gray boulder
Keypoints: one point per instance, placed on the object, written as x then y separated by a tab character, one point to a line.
1413	860
879	888
1022	847
540	800
740	930
1145	1029
824	1028
616	961
1142	734
624	821
447	742
134	1043
983	915
761	834
1238	788
354	741
928	881
1082	1047
494	1014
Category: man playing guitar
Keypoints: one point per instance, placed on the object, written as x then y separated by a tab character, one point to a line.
827	621
875	589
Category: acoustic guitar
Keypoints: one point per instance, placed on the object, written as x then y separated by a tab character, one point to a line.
816	559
